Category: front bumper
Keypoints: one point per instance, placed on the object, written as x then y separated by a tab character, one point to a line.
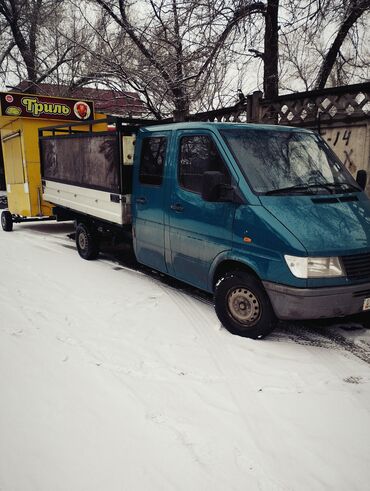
316	303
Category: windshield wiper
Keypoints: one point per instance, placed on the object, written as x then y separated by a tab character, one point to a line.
339	185
306	187
330	186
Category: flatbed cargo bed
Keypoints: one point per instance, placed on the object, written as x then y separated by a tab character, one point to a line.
98	182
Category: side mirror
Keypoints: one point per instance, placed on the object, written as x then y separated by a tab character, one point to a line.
361	178
211	185
215	189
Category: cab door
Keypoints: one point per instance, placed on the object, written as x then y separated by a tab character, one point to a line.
149	200
199	230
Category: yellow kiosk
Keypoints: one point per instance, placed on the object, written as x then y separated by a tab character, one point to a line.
21	115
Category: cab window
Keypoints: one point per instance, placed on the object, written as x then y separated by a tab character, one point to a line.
199	154
153	153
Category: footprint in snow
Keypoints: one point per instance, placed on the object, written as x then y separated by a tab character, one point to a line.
68	340
353	380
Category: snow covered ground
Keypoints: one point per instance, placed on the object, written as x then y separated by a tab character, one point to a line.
111	379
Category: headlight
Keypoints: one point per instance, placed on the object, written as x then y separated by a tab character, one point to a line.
315	267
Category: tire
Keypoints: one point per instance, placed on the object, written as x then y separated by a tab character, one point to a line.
7	221
243	307
86	242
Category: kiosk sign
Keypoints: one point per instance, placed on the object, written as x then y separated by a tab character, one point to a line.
45	107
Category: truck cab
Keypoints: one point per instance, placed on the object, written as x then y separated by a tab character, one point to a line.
265	217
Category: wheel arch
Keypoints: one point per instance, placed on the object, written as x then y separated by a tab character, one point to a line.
225	265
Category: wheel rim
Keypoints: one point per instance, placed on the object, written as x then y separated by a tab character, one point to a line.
243	306
82	240
3	221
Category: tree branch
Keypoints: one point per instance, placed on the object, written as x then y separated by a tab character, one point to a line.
356	9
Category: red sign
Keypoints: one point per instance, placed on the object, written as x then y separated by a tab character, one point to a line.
44	107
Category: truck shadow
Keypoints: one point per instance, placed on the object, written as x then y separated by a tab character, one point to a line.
47	228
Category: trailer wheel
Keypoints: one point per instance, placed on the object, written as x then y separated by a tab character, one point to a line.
243	307
86	242
7	221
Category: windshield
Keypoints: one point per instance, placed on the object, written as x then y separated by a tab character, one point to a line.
287	162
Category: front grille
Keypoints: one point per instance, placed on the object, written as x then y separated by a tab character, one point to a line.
357	266
362	293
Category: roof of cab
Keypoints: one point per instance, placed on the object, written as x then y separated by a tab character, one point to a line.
196	125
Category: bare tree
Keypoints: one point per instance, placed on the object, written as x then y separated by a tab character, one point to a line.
184	55
354	9
32	49
271	50
177	45
323	41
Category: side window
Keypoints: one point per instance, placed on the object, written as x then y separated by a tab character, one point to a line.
153	153
199	154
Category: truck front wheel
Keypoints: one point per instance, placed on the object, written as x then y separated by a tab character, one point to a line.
86	242
242	305
6	221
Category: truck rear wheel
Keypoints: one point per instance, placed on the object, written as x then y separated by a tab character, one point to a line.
242	305
7	221
86	242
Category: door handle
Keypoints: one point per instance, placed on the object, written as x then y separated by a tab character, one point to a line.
177	207
141	201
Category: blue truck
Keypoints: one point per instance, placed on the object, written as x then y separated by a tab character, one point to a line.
264	217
